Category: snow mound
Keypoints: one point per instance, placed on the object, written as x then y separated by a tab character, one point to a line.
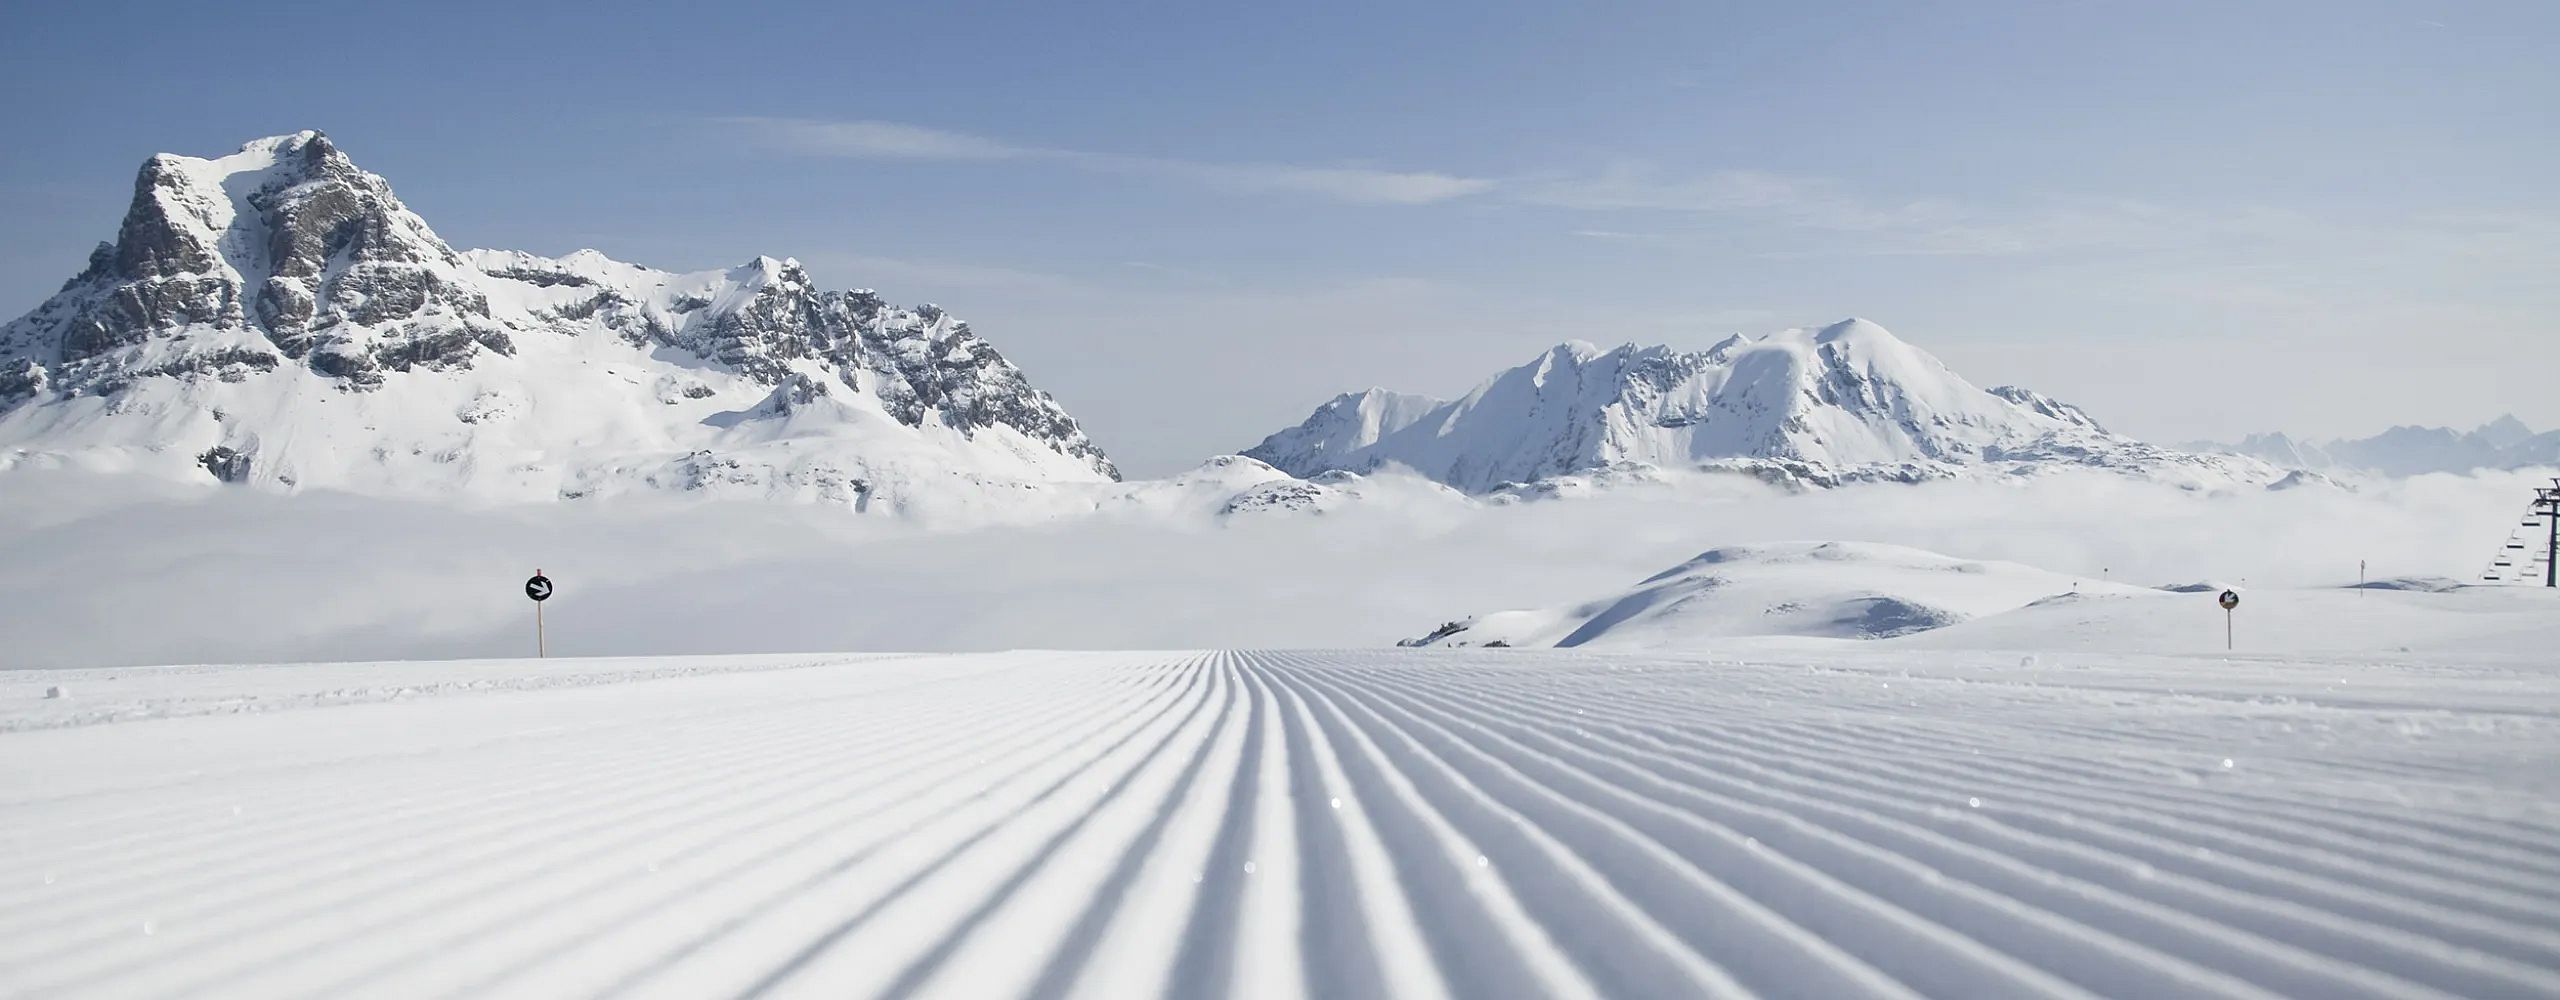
2421	584
1835	590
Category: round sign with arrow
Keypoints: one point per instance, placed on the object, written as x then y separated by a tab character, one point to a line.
2230	599
538	588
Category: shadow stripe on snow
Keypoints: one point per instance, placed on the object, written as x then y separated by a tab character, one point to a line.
539	826
2184	902
1614	939
391	860
843	929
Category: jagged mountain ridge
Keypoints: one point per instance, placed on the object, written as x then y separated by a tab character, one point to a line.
2407	450
1844	402
278	317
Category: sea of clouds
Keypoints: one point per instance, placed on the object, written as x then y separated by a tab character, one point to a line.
107	570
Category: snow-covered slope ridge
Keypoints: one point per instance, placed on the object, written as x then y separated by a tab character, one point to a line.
1844	590
1845	401
277	317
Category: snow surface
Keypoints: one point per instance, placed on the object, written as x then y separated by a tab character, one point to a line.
1372	823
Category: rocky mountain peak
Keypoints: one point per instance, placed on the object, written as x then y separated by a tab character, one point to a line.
285	263
282	250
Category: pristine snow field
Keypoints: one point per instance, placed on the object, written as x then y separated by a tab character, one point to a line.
1846	821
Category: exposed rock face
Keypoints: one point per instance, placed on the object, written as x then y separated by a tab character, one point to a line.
288	249
225	463
285	264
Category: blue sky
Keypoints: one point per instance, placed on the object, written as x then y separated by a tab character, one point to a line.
1194	222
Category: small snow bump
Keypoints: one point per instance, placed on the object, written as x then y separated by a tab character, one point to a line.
1973	802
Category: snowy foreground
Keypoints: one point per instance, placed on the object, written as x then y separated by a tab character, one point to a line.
1413	823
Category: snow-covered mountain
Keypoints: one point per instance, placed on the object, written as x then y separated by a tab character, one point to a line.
1844	402
2504	443
277	317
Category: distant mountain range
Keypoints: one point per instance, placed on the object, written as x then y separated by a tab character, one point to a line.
277	318
1845	402
2504	443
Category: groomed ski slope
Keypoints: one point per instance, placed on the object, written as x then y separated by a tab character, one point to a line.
1343	824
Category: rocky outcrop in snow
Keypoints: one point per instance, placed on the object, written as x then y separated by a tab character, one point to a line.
277	317
2047	406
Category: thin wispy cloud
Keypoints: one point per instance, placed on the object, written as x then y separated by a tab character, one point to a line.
1817	205
1640	202
1809	202
879	140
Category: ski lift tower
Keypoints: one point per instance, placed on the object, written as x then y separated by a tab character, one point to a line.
2533	548
2546	502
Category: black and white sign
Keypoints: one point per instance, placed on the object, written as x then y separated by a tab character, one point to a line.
2230	599
538	588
